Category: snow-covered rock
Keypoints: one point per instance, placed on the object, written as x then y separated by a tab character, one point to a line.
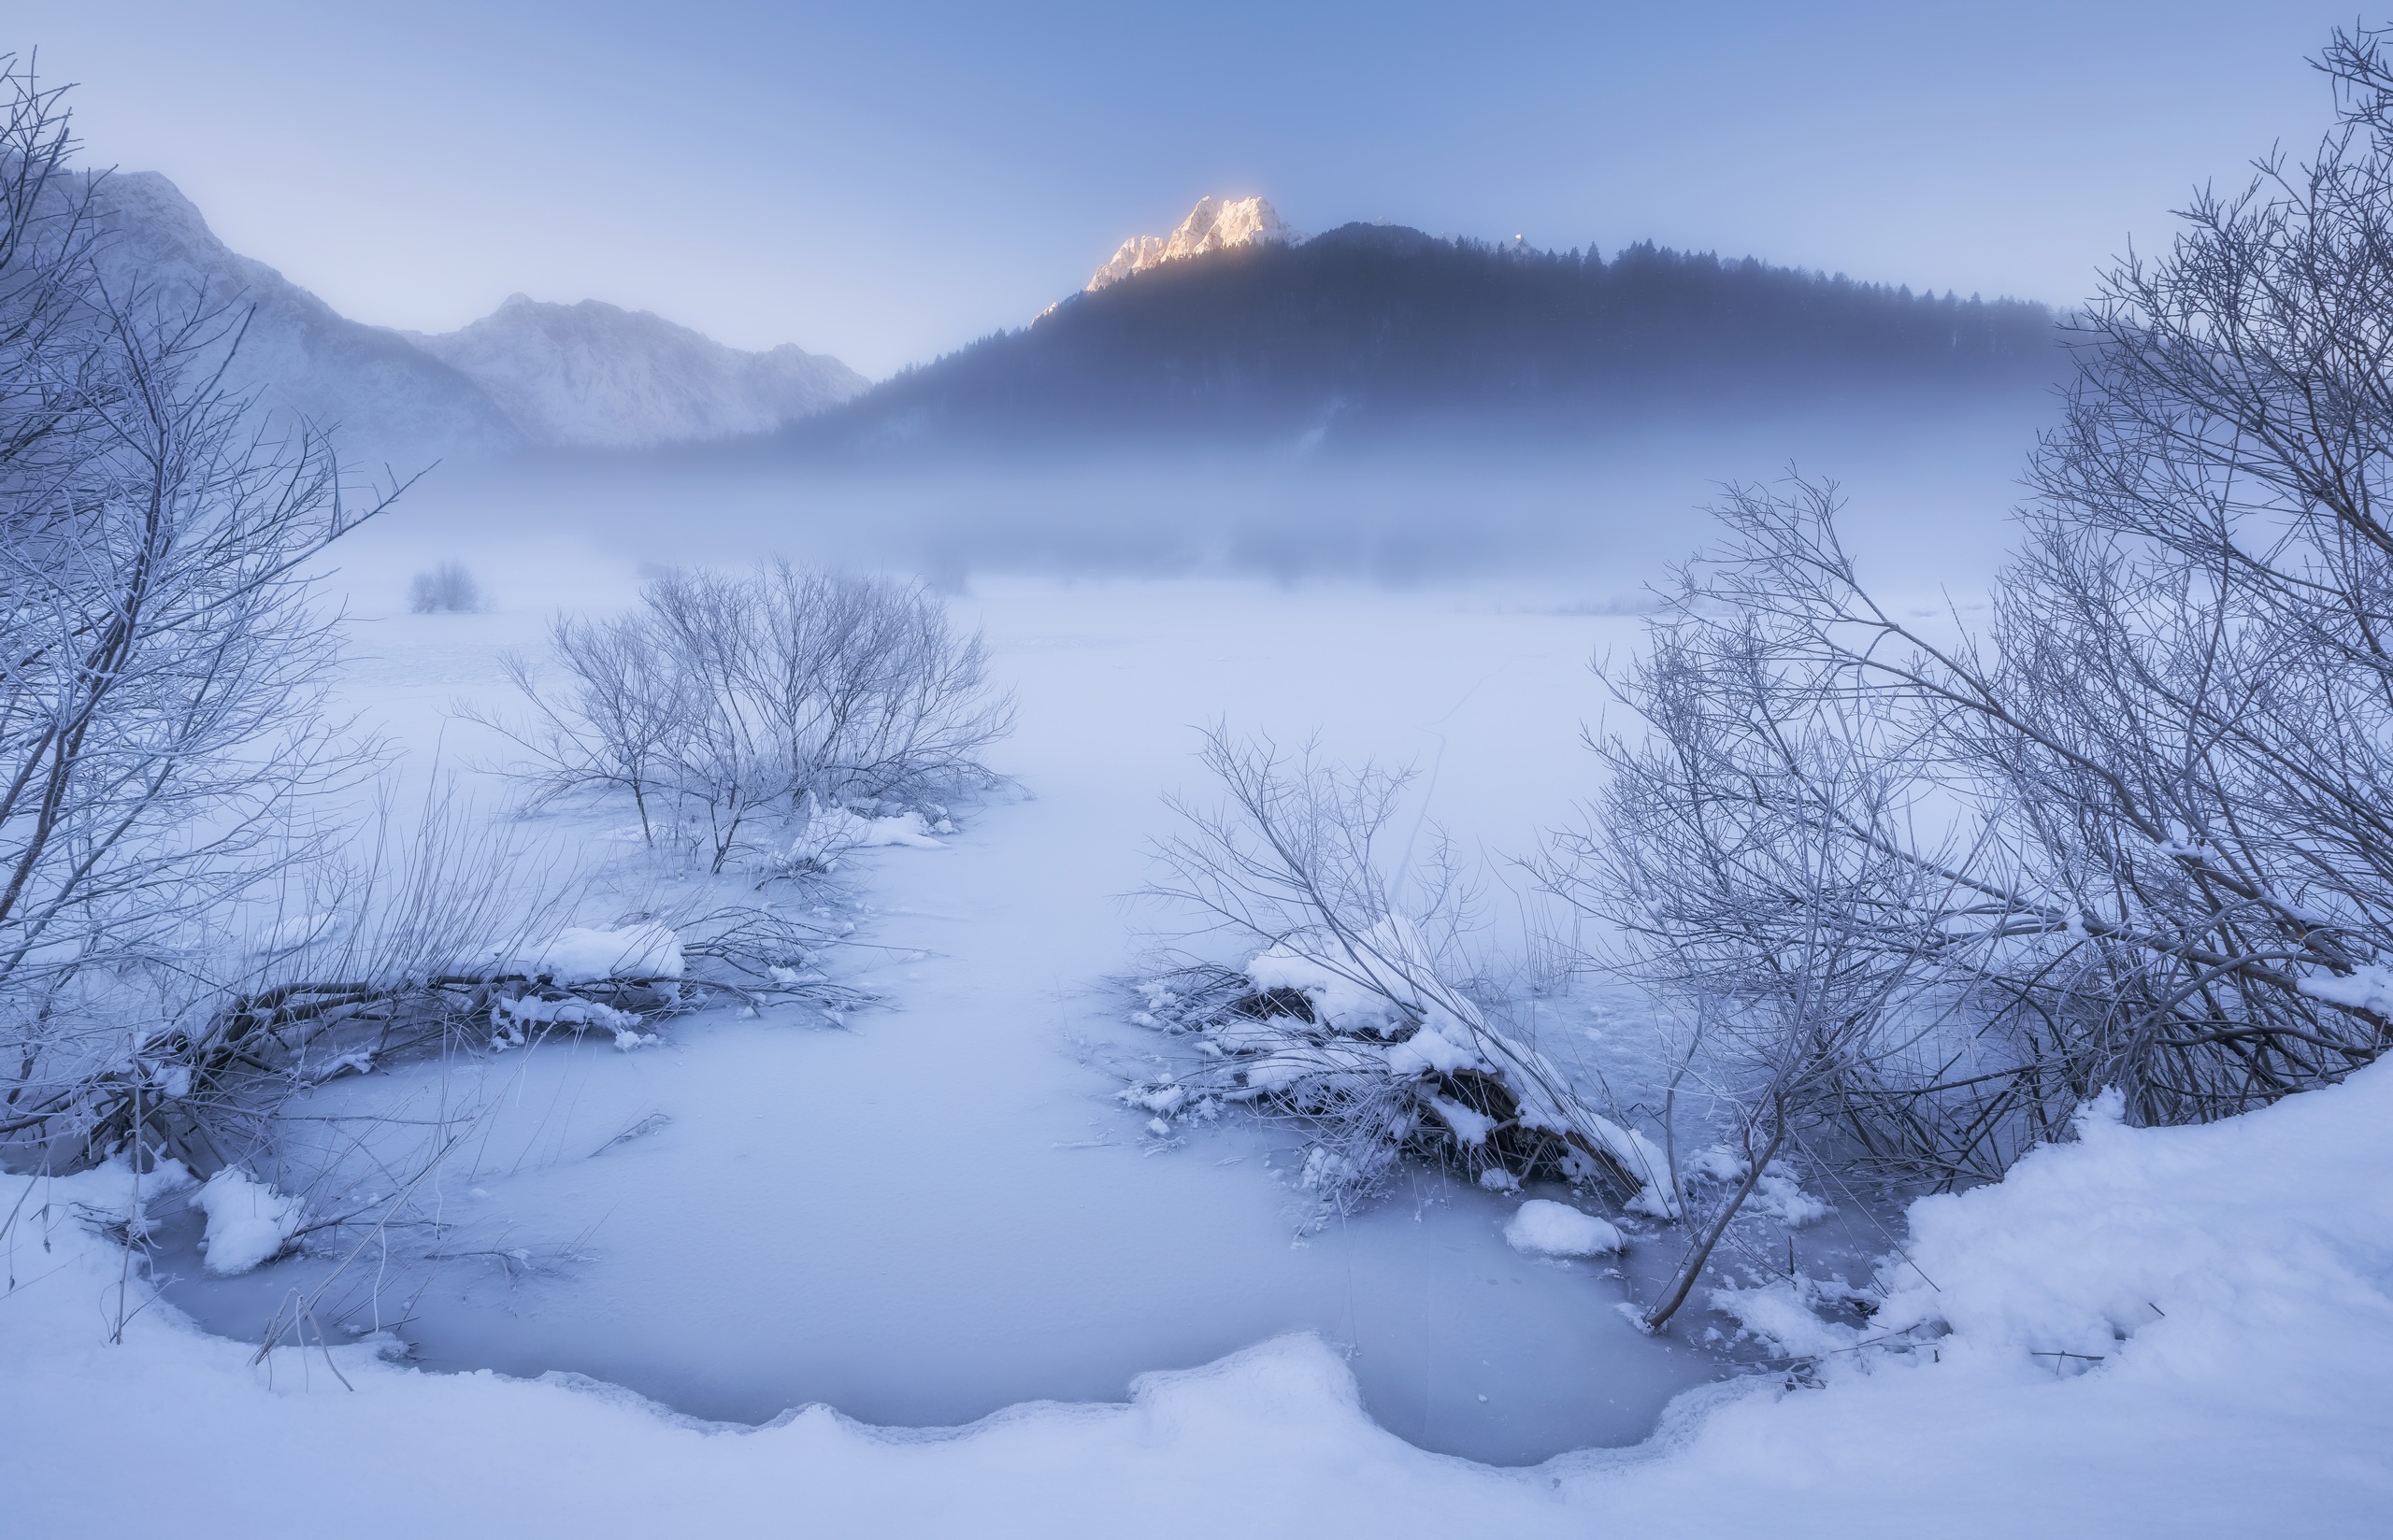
1214	225
1544	1228
596	375
249	1222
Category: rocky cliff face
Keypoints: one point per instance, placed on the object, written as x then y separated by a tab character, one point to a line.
1213	225
598	376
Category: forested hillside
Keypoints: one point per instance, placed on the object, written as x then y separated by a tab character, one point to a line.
1368	330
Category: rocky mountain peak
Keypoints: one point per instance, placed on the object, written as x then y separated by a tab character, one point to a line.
1213	225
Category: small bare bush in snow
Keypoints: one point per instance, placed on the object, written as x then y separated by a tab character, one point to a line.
750	715
1345	1016
447	589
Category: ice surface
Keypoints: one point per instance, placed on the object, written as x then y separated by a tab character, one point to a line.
2223	1291
1544	1228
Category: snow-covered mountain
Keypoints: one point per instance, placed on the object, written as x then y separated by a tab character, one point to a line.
389	400
595	375
528	376
1213	224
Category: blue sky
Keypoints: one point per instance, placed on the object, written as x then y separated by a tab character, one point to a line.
888	181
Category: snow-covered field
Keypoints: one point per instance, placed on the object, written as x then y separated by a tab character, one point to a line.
939	1213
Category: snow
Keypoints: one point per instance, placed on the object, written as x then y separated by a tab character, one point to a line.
907	829
1340	992
1544	1228
2155	1247
1779	1195
1429	1049
1785	1316
1471	1127
1115	1331
1776	1193
580	954
2230	1288
248	1222
830	833
2366	988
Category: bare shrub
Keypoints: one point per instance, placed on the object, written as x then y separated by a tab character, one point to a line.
445	935
730	708
447	589
1346	1016
186	931
1948	885
162	739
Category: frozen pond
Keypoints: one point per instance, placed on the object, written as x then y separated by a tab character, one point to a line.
941	1211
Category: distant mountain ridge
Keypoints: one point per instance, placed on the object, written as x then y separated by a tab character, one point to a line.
389	399
1232	329
1382	334
593	375
529	376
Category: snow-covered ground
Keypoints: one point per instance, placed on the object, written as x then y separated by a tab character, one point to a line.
939	1215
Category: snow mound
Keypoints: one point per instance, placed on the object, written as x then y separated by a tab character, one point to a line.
1779	1195
831	832
1544	1228
907	829
249	1222
582	955
1341	996
2134	1242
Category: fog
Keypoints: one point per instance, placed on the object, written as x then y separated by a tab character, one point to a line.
1930	500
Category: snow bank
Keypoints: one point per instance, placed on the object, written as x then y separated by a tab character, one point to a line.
2228	1290
2132	1244
248	1222
581	955
1544	1228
